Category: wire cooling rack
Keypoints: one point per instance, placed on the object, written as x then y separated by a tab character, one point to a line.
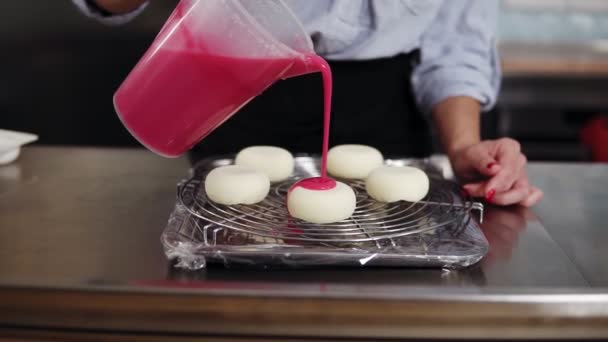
437	231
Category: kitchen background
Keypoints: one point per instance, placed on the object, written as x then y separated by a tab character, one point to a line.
59	70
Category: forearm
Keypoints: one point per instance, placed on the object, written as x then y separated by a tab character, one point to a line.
457	120
119	6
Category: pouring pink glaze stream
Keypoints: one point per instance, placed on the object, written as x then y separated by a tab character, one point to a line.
321	183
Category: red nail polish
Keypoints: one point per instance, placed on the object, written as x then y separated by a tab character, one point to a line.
490	195
490	165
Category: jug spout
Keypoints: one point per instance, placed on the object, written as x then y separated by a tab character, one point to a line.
305	64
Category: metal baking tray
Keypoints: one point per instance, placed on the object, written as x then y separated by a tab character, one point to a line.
439	231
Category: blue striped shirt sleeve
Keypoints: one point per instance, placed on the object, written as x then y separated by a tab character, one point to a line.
459	55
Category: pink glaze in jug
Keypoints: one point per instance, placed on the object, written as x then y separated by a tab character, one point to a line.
209	60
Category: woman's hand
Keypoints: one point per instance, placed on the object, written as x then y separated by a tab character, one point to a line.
496	171
492	169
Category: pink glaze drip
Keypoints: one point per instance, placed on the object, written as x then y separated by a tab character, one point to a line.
315	183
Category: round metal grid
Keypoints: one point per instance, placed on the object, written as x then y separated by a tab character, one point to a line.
372	220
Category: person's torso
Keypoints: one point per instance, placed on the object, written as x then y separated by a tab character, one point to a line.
365	29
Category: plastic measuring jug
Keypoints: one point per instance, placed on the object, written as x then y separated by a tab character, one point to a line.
210	58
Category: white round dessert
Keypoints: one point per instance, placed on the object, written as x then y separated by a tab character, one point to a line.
397	183
236	184
322	206
353	161
276	162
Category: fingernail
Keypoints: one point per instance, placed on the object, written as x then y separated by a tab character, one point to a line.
490	195
491	165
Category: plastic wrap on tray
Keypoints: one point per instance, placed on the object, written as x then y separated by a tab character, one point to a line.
439	231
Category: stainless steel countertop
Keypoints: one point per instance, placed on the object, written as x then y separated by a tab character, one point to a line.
88	219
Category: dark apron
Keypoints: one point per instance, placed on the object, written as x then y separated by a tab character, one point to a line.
372	104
